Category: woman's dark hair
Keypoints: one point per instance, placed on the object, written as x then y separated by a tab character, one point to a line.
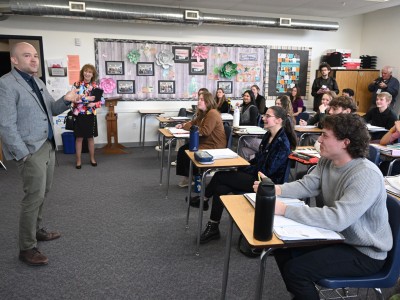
252	97
88	67
256	86
286	124
348	91
202	90
353	128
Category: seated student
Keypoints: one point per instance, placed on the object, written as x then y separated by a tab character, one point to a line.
297	101
271	158
211	131
391	137
381	115
222	103
348	92
248	110
322	111
284	102
354	204
259	99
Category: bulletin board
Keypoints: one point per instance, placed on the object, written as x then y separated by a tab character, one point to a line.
140	70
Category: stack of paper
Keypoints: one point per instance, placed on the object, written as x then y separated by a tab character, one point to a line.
393	150
392	184
226	117
289	201
222	153
305	126
182	133
309	152
289	230
373	128
179	118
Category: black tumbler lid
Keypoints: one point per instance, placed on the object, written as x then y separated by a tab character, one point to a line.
194	128
266	187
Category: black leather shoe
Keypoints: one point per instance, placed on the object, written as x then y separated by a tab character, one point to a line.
78	167
44	235
33	257
210	233
195	202
94	164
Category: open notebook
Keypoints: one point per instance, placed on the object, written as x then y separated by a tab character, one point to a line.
289	230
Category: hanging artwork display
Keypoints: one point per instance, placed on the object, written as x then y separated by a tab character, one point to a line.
159	70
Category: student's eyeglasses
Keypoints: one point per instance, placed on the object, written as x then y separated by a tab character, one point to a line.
268	116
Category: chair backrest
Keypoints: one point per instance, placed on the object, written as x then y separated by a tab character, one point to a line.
374	155
260	122
287	172
303	116
228	134
392	264
182	112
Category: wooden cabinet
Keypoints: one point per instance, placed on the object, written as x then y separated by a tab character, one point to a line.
358	81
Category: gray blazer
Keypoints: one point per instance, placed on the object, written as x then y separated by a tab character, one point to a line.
23	121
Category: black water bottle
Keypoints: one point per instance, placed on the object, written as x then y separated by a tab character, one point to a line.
264	210
194	138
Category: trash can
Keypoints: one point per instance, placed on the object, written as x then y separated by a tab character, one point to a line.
68	139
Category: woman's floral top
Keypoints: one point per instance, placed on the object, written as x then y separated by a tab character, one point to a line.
84	88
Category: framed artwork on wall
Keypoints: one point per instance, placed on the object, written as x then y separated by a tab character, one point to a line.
126	86
145	69
115	68
181	54
198	68
166	87
226	86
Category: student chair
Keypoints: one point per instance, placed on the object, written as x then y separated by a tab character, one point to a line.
303	116
385	278
182	112
228	134
374	155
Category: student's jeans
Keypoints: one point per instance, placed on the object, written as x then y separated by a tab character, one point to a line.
302	267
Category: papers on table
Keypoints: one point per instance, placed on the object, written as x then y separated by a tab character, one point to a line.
179	118
309	152
373	128
393	150
181	133
250	130
305	126
289	230
222	153
392	184
226	117
289	201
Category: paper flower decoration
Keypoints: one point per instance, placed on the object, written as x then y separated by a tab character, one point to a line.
228	70
165	58
200	52
133	56
146	50
107	85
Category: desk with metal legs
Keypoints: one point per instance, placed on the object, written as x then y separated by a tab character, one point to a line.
305	130
218	165
144	113
241	212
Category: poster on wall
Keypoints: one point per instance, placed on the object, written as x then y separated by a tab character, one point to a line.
288	68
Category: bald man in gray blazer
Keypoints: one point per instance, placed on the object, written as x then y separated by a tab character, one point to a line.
26	131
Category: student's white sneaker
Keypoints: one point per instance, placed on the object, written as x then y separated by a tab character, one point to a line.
158	148
173	163
184	182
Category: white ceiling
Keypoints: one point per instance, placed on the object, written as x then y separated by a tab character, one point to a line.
313	8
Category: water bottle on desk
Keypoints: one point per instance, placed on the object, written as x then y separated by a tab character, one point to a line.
264	210
236	117
194	138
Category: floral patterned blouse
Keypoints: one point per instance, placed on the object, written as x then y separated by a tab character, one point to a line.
84	88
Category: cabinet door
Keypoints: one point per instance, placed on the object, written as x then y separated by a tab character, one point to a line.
363	96
347	79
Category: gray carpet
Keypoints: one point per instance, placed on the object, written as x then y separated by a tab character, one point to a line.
121	239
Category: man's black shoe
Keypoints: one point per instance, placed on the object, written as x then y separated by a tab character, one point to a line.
195	202
210	233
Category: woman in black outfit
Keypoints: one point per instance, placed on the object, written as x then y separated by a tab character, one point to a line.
222	103
259	99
